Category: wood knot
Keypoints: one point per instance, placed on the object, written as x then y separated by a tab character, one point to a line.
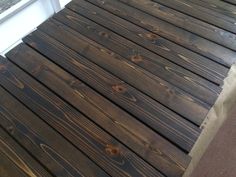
136	58
2	67
112	150
33	44
119	88
152	36
103	34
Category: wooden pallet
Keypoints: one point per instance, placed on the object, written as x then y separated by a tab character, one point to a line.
111	88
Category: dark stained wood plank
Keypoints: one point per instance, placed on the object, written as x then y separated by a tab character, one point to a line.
182	37
153	148
218	6
8	168
160	118
167	49
116	43
46	145
15	161
202	13
220	156
186	22
233	2
170	96
111	155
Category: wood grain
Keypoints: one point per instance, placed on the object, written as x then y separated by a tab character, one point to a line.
202	13
114	158
153	148
175	75
15	161
171	32
170	96
160	46
186	22
233	2
160	118
46	145
218	6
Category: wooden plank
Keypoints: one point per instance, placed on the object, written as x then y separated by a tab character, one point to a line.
171	32
95	143
233	2
15	161
46	145
153	148
161	119
8	168
186	22
169	50
174	74
218	6
220	156
172	97
201	13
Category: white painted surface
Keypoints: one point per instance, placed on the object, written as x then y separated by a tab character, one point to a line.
22	21
64	2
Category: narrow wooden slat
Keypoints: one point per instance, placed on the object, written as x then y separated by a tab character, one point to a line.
201	13
116	43
218	6
47	146
182	37
8	168
170	96
233	2
15	161
186	22
171	51
161	119
153	148
114	158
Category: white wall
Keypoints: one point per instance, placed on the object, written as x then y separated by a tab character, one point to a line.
24	20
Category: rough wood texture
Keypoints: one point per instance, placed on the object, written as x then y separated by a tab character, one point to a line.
218	6
167	49
128	71
160	118
15	161
202	13
147	60
145	142
113	88
191	24
189	40
38	138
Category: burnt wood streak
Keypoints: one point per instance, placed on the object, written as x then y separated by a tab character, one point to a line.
15	161
128	71
155	64
167	49
114	158
186	22
180	36
40	139
160	118
202	13
153	148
